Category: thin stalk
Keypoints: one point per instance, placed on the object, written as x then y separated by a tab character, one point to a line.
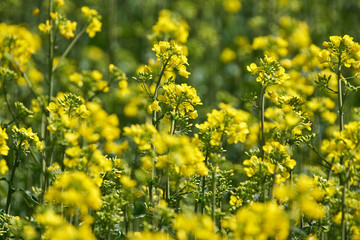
343	179
321	157
155	120
213	202
45	133
167	191
24	75
11	180
109	230
67	50
51	56
155	123
203	184
8	104
262	132
262	120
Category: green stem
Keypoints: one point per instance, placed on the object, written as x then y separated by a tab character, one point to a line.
11	180
168	194
24	75
155	120
155	123
343	179
203	185
46	115
67	50
51	56
262	133
262	120
213	202
8	104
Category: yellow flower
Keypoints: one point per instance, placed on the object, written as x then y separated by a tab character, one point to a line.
259	221
235	201
4	149
29	232
94	27
45	28
36	11
227	55
3	167
76	190
154	107
232	6
270	71
127	182
49	218
89	12
169	25
54	15
60	3
67	29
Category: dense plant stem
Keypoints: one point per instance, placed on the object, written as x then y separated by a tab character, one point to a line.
262	120
8	103
203	185
45	134
167	190
156	124
343	179
51	56
11	180
262	133
213	202
67	50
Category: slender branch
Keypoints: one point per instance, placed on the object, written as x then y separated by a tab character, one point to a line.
204	183
213	202
262	132
343	180
24	75
8	104
51	55
101	90
320	156
11	180
332	90
262	120
67	50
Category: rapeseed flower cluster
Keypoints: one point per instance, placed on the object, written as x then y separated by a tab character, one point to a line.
24	137
172	56
258	221
269	72
91	82
274	47
83	127
18	43
304	197
189	226
143	135
60	22
171	26
93	19
232	6
180	154
180	99
343	149
341	51
277	162
227	123
75	190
